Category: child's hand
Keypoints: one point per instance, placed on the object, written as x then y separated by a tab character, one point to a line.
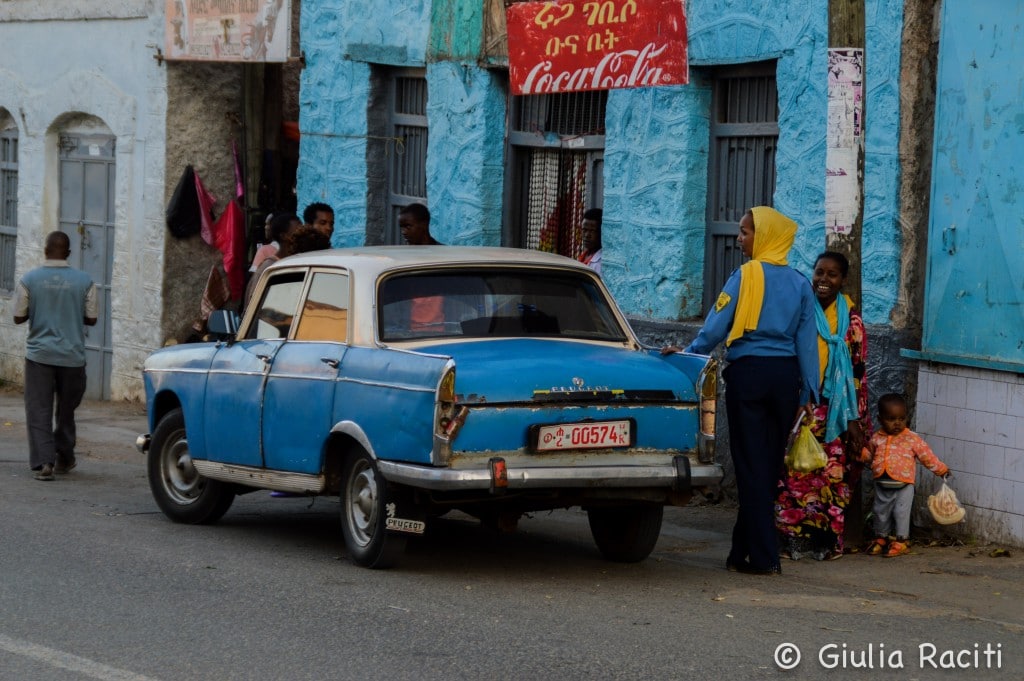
669	349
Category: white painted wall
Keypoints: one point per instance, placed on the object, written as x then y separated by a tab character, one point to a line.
100	63
974	420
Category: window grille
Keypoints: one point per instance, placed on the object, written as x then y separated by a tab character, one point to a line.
407	168
741	173
556	149
8	205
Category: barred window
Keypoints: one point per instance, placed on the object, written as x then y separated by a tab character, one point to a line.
8	200
556	153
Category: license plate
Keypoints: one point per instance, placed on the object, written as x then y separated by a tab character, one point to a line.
592	435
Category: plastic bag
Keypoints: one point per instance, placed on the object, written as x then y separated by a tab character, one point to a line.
805	453
944	507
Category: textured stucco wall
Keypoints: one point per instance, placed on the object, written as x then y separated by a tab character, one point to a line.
340	41
465	154
49	69
657	145
656	156
456	29
881	241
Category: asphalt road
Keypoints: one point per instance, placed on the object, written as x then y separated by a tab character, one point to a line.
97	584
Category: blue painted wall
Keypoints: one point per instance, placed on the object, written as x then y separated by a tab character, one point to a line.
340	39
656	141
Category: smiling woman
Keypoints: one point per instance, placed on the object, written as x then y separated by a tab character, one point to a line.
810	510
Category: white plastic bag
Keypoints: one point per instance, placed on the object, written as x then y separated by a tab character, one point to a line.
944	507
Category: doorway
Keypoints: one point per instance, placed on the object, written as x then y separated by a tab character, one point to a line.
87	172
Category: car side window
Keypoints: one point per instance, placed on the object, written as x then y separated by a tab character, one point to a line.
325	312
277	307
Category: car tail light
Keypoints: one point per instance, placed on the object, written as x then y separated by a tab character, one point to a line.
450	416
446	388
707	390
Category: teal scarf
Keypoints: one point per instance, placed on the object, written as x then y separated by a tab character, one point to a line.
838	386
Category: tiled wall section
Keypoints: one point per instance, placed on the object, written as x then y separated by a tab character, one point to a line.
974	420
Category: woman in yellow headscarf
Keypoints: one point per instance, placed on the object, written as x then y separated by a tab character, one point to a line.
765	316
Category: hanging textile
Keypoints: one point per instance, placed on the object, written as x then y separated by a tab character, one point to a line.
229	239
206	218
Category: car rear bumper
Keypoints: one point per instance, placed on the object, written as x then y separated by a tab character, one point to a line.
680	475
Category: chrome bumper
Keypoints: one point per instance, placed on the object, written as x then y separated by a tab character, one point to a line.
679	476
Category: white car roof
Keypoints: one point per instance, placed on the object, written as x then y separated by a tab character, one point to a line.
367	264
374	260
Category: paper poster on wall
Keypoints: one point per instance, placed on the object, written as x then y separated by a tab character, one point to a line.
844	138
227	30
574	46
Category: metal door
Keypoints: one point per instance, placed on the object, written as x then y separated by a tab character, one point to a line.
974	294
741	172
87	216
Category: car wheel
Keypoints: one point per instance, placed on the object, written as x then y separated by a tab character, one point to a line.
364	497
626	534
181	493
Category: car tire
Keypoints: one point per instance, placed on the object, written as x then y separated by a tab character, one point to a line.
179	490
364	497
626	534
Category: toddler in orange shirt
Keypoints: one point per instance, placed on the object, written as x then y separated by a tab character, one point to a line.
893	452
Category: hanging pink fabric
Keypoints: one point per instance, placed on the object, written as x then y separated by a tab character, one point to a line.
206	203
239	183
229	239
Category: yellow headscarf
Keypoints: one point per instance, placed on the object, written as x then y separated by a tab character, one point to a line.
773	237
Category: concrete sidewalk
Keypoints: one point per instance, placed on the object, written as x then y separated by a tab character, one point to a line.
106	430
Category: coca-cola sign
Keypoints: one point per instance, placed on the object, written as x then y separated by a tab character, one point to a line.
571	45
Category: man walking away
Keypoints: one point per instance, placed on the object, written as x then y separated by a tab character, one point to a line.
56	300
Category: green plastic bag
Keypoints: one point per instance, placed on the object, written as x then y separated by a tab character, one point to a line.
805	454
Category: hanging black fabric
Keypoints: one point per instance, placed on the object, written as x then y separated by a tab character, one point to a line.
183	212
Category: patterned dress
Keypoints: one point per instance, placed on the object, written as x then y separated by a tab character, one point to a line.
809	511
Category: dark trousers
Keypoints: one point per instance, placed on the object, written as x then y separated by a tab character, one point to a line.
43	384
762	395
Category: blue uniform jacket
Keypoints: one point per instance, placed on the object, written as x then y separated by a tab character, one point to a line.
786	327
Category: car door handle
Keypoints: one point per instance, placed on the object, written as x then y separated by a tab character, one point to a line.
265	358
330	361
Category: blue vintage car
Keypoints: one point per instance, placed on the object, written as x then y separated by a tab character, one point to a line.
412	380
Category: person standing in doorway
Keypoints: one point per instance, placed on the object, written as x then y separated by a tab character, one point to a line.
426	314
58	302
592	239
414	222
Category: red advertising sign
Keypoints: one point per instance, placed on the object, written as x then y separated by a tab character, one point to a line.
572	45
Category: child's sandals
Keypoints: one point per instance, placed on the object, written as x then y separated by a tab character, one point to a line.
897	548
877	547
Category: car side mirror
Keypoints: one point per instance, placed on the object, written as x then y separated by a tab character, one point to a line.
223	323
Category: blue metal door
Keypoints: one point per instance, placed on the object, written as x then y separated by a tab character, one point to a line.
87	216
975	282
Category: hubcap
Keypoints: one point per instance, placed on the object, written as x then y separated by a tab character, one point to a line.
181	480
362	503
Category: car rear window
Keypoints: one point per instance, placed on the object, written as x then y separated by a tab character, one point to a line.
494	303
